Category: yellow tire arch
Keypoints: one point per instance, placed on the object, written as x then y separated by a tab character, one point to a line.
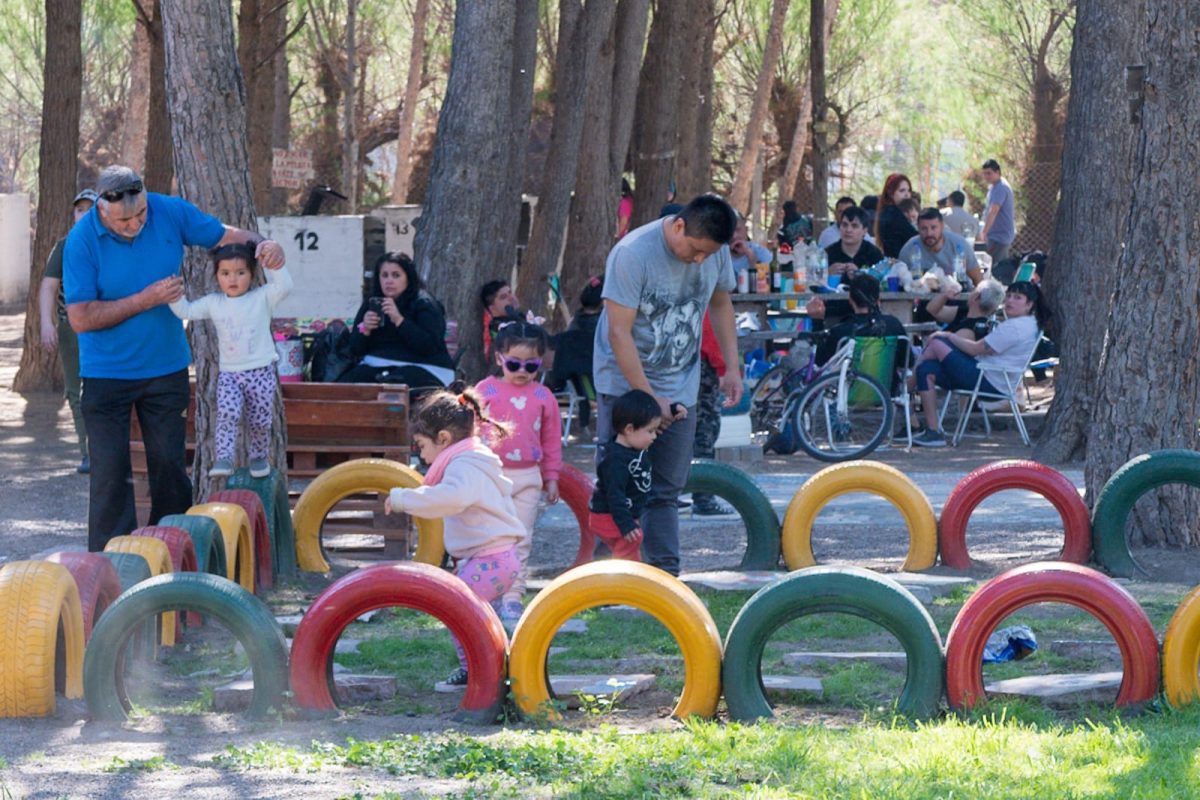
35	596
630	583
158	556
358	476
238	537
859	476
1181	652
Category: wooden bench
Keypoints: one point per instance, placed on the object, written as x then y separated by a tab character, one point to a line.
327	424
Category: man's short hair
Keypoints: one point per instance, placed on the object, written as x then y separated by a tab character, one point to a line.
845	201
992	164
489	291
855	213
119	184
869	202
929	214
709	217
908	204
957	198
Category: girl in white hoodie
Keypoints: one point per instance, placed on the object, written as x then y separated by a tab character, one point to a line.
466	487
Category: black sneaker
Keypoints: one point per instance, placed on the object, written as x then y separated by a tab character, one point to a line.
930	438
457	678
710	507
85	466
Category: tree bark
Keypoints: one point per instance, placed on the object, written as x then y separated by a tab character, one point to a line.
469	184
693	167
62	76
281	116
577	61
137	102
604	146
408	110
1090	219
160	156
739	194
816	79
800	138
1148	392
260	34
207	97
349	118
656	132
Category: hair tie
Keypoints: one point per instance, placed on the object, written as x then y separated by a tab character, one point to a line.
462	400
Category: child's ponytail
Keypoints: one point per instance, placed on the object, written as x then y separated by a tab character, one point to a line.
459	411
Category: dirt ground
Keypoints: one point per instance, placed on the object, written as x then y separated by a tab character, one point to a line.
43	505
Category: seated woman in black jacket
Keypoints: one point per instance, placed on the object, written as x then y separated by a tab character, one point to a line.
400	331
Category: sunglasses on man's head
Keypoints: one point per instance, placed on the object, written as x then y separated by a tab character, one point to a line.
116	195
531	366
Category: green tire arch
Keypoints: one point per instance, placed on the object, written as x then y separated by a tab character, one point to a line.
751	503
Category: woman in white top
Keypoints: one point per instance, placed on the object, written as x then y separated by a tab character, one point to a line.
955	363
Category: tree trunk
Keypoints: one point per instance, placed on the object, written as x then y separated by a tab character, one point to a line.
259	36
633	17
800	139
281	116
137	103
1090	219
577	61
207	98
693	167
656	133
739	194
468	186
408	110
1148	392
160	156
62	76
816	79
349	119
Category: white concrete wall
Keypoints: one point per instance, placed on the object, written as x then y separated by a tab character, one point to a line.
14	248
325	257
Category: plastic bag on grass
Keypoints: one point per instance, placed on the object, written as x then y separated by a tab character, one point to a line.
1009	644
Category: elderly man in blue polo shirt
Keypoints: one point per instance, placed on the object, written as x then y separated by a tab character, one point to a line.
121	268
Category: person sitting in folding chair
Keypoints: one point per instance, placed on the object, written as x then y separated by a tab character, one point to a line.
952	362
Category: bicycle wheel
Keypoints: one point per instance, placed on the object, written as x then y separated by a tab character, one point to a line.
768	397
829	434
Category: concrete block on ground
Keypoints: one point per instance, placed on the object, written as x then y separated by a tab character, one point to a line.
732	580
568	687
289	622
793	683
1085	648
573	625
891	659
1052	687
351	689
937	585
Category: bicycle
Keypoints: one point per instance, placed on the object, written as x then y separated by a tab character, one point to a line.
836	412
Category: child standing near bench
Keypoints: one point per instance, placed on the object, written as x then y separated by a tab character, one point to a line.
466	487
246	380
532	455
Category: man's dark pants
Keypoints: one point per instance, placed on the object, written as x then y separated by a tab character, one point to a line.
671	456
161	404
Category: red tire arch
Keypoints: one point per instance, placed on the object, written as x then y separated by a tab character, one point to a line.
96	580
409	585
252	504
1051	582
183	554
575	489
1029	475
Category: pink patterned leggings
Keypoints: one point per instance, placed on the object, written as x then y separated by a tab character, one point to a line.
489	577
251	391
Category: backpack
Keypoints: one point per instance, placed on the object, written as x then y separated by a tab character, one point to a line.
330	357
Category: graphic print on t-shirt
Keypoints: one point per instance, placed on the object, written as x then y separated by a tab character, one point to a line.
675	328
641	477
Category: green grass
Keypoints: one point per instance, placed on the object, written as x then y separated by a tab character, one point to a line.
121	765
992	756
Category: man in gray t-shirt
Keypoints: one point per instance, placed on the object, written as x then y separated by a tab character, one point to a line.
659	281
934	246
999	221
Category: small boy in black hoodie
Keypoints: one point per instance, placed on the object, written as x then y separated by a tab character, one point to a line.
623	475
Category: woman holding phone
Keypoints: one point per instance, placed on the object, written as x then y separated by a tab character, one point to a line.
400	331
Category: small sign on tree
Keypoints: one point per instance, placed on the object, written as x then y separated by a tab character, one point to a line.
291	169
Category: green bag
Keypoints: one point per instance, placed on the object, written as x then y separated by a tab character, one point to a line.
874	356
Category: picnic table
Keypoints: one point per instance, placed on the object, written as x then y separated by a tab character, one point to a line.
898	304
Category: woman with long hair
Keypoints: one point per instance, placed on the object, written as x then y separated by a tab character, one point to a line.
892	228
